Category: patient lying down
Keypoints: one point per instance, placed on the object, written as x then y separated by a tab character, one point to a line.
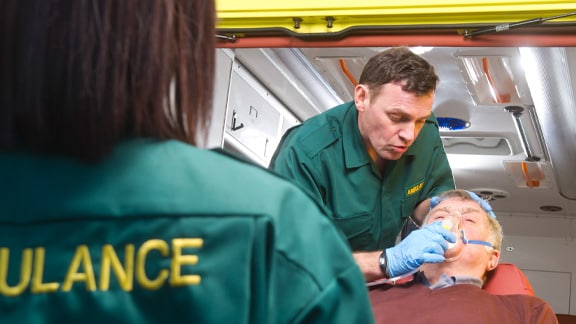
451	291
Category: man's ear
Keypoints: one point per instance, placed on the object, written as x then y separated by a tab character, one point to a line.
361	96
493	260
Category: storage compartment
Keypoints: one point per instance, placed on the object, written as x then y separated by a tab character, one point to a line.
255	119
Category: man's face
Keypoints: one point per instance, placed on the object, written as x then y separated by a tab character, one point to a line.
390	119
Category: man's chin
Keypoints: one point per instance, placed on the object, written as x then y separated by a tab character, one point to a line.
391	156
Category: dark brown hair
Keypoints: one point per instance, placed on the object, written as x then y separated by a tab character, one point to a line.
78	76
400	65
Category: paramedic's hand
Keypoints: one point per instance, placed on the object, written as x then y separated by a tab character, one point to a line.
426	245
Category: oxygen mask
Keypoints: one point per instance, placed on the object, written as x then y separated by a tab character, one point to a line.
453	223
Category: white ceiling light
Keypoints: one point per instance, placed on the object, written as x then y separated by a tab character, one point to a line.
490	79
421	49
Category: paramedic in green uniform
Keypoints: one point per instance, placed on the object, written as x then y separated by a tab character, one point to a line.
376	161
109	214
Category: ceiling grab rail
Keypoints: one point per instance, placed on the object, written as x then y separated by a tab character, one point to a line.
532	178
516	112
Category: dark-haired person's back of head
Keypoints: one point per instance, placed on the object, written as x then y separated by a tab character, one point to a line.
110	213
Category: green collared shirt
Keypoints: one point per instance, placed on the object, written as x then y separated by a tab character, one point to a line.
326	156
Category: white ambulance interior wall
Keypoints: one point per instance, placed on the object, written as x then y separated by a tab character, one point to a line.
247	119
215	135
548	262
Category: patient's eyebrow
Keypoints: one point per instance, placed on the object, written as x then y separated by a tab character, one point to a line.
470	210
442	209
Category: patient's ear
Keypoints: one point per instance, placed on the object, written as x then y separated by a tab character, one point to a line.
493	260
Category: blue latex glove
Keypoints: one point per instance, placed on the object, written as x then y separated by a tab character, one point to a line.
425	245
482	202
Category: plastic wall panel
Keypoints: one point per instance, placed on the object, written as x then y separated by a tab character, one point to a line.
255	119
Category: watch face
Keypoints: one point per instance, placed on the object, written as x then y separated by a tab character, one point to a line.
382	259
382	263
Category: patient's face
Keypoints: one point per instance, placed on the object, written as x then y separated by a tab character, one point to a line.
473	220
474	259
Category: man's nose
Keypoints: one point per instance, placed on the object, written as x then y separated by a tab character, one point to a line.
408	132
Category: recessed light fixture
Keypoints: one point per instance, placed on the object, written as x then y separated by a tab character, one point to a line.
550	208
490	194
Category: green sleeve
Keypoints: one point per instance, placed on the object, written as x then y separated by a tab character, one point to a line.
342	303
316	283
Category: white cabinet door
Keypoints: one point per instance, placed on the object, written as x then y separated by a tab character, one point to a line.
255	119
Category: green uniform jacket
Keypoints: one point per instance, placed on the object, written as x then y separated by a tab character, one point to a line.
162	232
326	156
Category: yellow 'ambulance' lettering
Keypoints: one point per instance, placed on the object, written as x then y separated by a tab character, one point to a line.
81	258
135	267
178	259
141	275
124	274
415	189
25	270
38	286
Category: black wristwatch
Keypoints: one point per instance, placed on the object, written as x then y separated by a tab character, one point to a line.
383	262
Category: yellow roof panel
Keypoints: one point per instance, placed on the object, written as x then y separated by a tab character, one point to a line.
330	16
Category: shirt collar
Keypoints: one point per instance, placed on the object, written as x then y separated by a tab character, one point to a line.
448	281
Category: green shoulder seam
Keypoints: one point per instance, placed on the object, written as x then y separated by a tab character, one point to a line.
319	139
244	160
